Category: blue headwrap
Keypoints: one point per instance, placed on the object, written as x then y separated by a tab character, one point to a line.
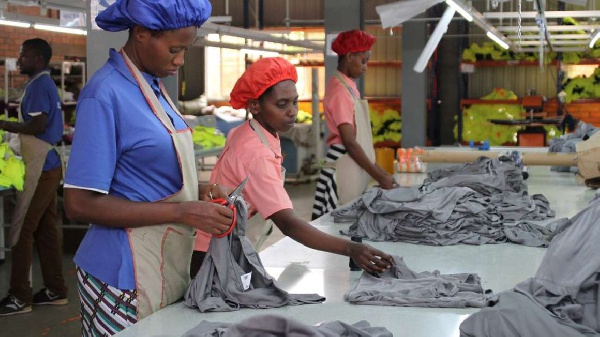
154	14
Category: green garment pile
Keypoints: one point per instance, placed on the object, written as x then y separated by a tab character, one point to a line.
386	125
477	127
304	117
208	137
582	87
12	169
493	52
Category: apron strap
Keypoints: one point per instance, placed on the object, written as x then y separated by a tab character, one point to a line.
258	129
339	77
151	98
31	80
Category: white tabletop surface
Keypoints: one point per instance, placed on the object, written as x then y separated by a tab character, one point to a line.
302	270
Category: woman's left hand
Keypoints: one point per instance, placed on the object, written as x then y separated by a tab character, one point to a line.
370	259
214	191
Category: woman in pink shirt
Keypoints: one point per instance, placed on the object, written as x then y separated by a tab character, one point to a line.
268	90
350	160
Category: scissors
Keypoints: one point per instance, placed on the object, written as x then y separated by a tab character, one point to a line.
229	203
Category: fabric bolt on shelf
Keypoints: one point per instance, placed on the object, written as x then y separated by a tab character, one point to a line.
561	299
219	284
401	286
277	325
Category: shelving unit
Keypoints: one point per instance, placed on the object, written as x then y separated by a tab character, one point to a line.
66	77
9	75
66	73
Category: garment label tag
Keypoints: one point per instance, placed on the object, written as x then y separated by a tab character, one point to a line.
246	280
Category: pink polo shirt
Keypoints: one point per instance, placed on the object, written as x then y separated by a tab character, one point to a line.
339	106
245	154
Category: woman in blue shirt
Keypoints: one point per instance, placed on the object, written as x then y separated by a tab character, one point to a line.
131	171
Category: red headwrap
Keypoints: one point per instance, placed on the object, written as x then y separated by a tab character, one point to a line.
352	41
259	77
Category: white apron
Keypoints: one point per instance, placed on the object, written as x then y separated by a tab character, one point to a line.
33	152
351	179
162	253
267	226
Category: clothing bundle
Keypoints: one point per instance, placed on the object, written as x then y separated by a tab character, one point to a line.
401	286
276	325
561	299
567	142
233	277
463	204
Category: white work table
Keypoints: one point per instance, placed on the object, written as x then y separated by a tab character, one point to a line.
302	270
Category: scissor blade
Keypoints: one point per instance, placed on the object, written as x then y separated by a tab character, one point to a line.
238	190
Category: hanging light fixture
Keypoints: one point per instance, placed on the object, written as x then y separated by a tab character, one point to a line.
594	38
59	29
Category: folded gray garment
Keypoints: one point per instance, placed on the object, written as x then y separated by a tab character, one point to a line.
561	299
401	286
516	315
232	276
276	325
528	234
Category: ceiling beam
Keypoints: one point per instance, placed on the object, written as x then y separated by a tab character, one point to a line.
213	28
208	43
563	43
554	37
548	14
551	28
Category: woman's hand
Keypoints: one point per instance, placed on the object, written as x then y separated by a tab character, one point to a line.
209	192
387	182
370	259
207	216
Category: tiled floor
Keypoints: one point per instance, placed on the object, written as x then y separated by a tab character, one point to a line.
63	321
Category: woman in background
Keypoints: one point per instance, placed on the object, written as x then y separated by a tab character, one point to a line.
350	160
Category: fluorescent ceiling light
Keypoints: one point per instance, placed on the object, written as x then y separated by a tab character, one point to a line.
59	29
465	13
497	40
394	14
15	23
594	38
434	39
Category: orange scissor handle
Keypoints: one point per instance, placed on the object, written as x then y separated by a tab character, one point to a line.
225	203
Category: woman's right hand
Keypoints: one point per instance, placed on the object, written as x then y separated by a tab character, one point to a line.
207	216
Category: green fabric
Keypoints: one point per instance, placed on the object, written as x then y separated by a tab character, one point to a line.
208	137
12	169
386	125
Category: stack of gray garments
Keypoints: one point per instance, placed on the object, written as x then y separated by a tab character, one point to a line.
275	326
401	286
232	276
464	204
567	142
561	300
501	181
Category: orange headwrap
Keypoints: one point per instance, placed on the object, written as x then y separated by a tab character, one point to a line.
352	41
259	77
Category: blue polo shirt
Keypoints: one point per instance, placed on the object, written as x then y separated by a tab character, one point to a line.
42	96
121	148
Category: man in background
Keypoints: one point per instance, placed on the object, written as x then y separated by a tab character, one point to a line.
40	127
